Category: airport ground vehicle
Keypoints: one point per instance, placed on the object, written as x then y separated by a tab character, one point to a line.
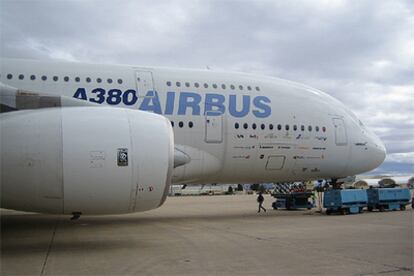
298	200
388	199
345	201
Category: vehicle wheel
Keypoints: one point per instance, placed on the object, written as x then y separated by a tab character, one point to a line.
328	212
402	207
381	208
361	210
370	208
343	211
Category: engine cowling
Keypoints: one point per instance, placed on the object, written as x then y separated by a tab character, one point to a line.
89	160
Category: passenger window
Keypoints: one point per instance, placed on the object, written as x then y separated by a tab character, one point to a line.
169	84
249	88
232	87
190	124
119	81
257	88
197	85
323	129
236	126
32	77
254	126
66	78
205	85
109	80
178	84
317	128
262	126
9	76
279	127
180	124
287	127
310	128
223	86
302	128
55	78
295	127
245	125
88	79
271	126
214	86
44	78
172	123
21	77
241	87
187	84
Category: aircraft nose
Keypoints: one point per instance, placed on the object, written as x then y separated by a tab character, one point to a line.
378	151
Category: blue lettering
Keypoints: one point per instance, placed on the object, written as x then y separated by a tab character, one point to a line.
214	104
80	94
169	105
114	96
126	97
151	102
233	106
189	99
264	109
100	98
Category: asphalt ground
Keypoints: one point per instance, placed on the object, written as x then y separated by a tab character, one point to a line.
209	235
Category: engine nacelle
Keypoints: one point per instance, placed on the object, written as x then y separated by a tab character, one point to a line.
92	160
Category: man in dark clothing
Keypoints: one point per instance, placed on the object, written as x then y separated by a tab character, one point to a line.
260	199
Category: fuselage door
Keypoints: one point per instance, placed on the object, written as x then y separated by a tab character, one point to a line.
340	132
214	127
145	84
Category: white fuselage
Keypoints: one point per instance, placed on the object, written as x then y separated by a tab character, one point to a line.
236	128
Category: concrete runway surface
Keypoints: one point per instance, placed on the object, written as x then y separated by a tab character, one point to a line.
217	235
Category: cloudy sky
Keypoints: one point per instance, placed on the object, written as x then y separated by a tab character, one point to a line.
361	52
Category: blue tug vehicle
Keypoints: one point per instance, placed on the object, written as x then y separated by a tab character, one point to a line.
388	199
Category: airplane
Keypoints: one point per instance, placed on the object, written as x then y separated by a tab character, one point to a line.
110	139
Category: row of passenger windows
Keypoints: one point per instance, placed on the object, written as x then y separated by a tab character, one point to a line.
190	124
65	78
280	127
181	124
214	85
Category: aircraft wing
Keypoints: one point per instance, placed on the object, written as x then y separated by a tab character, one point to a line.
12	99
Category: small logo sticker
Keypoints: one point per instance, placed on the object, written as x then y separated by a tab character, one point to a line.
122	157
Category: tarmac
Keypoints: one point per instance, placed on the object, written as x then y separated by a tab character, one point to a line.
208	235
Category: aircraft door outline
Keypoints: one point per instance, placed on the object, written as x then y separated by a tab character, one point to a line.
144	82
341	138
214	127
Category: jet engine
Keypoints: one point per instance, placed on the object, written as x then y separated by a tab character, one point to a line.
88	160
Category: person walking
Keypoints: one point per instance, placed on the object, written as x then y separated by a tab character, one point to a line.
260	199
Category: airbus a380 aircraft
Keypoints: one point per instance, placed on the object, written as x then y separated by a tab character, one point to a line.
101	139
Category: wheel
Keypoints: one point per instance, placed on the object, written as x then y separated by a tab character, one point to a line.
402	207
343	211
381	208
328	212
370	208
361	210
